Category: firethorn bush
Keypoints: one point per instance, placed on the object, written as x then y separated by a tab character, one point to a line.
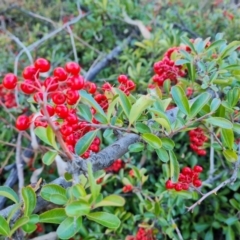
135	142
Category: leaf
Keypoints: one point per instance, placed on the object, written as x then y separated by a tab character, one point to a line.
174	166
94	187
230	155
78	191
9	193
58	199
106	219
54	190
84	142
233	96
139	107
4	228
77	208
19	223
86	97
162	154
46	136
69	227
199	103
164	123
229	49
142	128
215	44
56	215
181	62
215	104
136	147
152	140
236	128
167	143
111	200
123	101
185	40
220	122
49	157
180	99
227	137
29	227
85	112
51	137
29	200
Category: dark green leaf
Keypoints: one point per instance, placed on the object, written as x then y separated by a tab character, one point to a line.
162	154
142	128
123	101
85	112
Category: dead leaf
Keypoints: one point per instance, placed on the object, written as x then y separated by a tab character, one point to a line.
34	178
61	166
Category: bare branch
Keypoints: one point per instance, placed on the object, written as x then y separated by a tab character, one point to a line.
19	163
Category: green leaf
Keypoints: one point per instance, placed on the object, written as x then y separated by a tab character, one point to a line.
199	103
164	123
185	40
53	190
142	128
215	104
180	99
29	227
233	96
167	143
227	137
4	228
78	191
94	187
69	227
86	97
229	49
236	128
235	204
139	107
152	140
46	135
162	154
29	200
49	157
9	193
230	155
230	233
111	200
56	215
84	142
215	44
220	122
85	112
123	101
106	219
58	199
136	147
19	223
77	208
174	166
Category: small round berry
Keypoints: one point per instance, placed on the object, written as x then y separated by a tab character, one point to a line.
10	81
70	140
106	86
27	87
185	186
178	187
60	74
76	82
66	129
186	171
29	73
122	79
90	87
50	110
169	184
72	68
51	84
22	122
39	122
197	183
58	98
130	85
72	118
61	111
72	97
42	64
197	169
38	97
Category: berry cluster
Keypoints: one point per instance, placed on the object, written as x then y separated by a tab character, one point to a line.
116	166
143	234
7	97
187	177
166	69
197	139
127	188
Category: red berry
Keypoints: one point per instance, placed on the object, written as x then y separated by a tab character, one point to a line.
42	64
76	82
91	87
169	184
10	81
72	118
29	73
38	122
66	129
73	68
60	74
197	169
185	186
181	177
197	183
27	87
186	170
61	111
130	85
38	97
94	148
51	84
50	110
70	140
122	79
106	86
58	98
178	187
22	122
97	141
72	97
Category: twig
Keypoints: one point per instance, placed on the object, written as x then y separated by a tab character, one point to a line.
211	170
177	230
73	44
19	163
